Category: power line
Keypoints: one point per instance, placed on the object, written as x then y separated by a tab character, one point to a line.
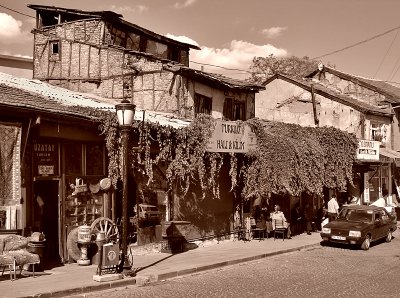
395	70
358	43
241	70
387	52
17	12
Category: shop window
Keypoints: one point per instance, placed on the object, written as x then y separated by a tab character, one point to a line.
234	110
202	104
73	159
94	159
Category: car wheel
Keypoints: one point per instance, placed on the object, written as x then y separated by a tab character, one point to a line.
389	236
366	244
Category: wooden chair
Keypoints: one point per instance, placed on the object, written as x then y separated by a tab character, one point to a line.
279	228
260	229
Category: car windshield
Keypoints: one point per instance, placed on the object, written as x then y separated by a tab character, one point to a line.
356	215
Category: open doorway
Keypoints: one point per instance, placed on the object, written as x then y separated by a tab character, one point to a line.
46	217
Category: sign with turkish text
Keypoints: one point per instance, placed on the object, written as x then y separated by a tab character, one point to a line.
45	158
231	136
368	150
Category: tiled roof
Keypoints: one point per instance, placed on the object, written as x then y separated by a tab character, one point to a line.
216	79
326	92
41	96
18	98
391	92
115	17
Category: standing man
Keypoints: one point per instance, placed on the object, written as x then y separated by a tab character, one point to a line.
333	208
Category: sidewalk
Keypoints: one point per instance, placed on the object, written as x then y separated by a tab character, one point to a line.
74	279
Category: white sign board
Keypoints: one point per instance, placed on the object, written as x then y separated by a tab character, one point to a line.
45	170
368	150
231	136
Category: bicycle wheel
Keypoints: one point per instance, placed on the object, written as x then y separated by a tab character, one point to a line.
106	225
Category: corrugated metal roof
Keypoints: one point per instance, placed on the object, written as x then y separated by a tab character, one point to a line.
41	96
344	99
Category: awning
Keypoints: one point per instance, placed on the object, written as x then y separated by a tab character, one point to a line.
389	153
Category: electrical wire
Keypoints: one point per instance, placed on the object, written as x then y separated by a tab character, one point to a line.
356	44
397	69
17	12
387	52
241	70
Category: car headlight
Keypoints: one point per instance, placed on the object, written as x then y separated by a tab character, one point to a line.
326	230
354	233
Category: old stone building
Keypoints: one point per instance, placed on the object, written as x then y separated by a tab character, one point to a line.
363	107
102	54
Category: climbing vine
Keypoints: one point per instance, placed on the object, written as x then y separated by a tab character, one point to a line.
288	158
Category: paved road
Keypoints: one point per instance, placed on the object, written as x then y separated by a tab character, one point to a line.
332	271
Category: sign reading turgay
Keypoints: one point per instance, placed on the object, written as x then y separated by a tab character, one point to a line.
231	136
368	150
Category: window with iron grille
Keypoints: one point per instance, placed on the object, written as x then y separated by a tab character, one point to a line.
202	104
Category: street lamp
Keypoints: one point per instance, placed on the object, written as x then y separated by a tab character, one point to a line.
125	113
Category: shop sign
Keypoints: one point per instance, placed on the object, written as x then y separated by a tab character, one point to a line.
368	150
45	158
231	136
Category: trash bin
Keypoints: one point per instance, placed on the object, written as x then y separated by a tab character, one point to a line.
39	248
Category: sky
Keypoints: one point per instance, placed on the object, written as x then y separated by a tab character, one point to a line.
231	32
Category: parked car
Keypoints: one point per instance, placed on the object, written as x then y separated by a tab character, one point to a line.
360	225
148	213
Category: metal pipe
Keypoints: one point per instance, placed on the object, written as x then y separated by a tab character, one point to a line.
124	256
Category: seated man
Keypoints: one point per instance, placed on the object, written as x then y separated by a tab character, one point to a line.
278	215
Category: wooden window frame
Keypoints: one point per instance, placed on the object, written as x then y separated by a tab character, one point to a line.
231	109
202	104
54	44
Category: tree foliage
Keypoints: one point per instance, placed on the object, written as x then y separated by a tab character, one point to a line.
294	159
288	159
265	67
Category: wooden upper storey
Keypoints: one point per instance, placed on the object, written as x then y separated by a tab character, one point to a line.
105	28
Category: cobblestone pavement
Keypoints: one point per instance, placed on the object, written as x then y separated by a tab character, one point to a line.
322	271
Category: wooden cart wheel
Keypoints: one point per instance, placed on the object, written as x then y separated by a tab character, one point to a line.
106	225
74	251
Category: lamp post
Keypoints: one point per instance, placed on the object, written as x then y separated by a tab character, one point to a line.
125	113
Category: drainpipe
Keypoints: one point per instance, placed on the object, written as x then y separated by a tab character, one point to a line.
314	105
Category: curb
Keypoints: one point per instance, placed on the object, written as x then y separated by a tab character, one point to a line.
148	279
173	274
86	289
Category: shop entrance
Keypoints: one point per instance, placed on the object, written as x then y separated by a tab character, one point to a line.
46	216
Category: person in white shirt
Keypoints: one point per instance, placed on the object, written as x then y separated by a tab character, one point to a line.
278	214
333	208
